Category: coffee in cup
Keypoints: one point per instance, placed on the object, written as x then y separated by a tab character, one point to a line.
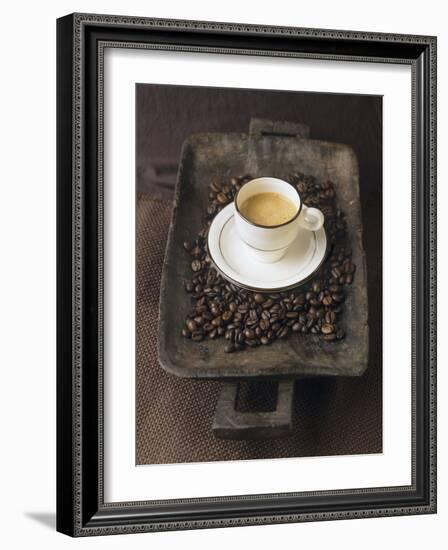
269	216
268	209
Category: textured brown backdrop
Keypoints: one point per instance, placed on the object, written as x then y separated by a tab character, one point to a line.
173	415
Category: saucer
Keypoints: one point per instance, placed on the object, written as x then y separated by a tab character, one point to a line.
234	259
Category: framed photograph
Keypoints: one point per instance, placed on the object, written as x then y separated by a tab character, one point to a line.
246	274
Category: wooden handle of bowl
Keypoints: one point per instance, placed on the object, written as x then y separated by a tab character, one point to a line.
281	128
232	424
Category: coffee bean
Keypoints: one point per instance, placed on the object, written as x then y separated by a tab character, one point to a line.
229	348
227	315
196	265
268	303
222	198
292	315
297	327
197	336
327	328
329	337
317	286
189	286
251	343
186	333
265	340
259	298
214	186
217	321
211	209
349	267
312	312
249	333
310	322
327	301
330	317
192	325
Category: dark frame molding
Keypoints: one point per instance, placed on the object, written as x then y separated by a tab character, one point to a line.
81	40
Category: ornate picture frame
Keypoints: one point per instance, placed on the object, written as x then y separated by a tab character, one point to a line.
81	42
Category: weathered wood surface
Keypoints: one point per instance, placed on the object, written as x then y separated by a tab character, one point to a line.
208	157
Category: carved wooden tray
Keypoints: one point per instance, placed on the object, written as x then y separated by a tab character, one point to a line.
274	151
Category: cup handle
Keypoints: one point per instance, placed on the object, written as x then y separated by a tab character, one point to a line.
311	219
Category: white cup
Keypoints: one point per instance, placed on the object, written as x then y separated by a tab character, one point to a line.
269	243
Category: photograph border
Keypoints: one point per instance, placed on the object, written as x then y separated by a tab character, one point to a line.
81	40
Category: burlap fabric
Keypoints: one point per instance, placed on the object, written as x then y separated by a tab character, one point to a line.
174	416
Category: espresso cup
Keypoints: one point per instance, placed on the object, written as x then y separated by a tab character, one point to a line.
269	243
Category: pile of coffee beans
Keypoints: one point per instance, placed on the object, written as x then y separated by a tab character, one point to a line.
250	319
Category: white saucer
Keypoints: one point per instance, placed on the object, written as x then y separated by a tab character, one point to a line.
234	259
